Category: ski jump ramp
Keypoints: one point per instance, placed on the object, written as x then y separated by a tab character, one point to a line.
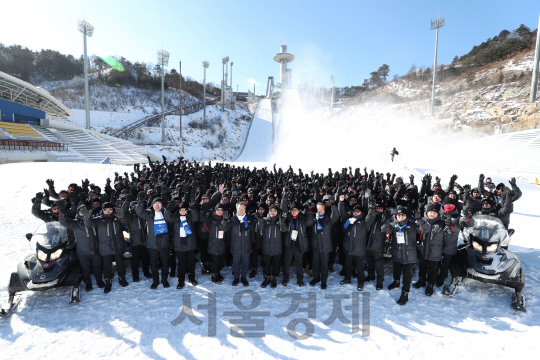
258	146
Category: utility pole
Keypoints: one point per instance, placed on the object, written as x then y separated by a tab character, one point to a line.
180	112
435	24
534	82
163	59
205	65
332	97
87	30
225	60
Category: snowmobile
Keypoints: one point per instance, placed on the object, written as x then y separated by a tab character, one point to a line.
53	265
484	256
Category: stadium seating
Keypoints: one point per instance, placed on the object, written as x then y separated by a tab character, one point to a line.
19	130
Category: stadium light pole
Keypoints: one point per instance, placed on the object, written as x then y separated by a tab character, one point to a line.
180	111
225	60
205	65
163	59
87	30
534	82
435	24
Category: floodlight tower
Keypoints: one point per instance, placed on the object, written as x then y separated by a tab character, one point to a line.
332	97
534	83
205	65
435	24
87	30
163	59
225	60
180	110
283	58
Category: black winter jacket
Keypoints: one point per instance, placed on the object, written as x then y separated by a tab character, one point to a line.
190	241
135	225
242	238
110	235
212	226
356	235
321	240
152	241
377	238
273	227
404	253
85	236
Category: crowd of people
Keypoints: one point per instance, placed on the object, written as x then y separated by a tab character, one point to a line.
179	213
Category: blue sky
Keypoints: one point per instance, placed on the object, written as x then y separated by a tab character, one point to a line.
348	39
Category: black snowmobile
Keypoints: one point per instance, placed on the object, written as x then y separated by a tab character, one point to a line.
53	265
484	256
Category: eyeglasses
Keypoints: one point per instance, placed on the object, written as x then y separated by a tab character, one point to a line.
205	199
353	200
108	209
219	210
356	211
273	210
54	208
400	214
183	209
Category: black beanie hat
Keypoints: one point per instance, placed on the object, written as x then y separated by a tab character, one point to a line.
433	207
158	199
401	210
273	206
296	205
440	193
262	205
358	207
220	206
184	205
107	205
449	200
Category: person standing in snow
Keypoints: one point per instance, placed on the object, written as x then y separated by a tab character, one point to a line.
393	153
157	238
272	245
242	238
184	239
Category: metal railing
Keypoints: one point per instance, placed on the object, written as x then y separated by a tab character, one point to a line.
127	130
10	144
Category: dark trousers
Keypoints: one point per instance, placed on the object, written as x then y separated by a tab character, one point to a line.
358	262
91	265
320	265
308	260
443	270
407	274
237	260
186	264
139	255
298	257
271	265
254	258
155	257
203	250
118	258
217	263
428	270
375	265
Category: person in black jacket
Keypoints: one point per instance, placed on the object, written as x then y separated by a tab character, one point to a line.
403	235
137	237
184	239
242	237
296	241
216	225
111	242
451	235
157	238
207	207
272	246
256	249
375	247
355	239
321	242
87	246
45	215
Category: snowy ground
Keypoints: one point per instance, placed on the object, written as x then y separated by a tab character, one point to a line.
135	322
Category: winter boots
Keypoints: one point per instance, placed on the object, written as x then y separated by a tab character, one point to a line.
191	279
217	278
370	277
393	285
108	286
274	282
429	289
205	268
136	277
267	281
285	281
403	298
420	283
323	285
360	286
252	273
100	284
154	285
314	282
379	286
122	281
345	281
181	284
147	274
165	283
244	281
235	282
300	283
89	287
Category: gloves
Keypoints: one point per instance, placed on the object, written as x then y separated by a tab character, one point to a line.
39	196
164	158
62	205
50	182
226	215
141	196
170	206
481	177
512	182
453	178
86	213
116	173
411	178
47	193
108	181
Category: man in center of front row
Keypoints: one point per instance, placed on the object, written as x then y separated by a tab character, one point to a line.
157	238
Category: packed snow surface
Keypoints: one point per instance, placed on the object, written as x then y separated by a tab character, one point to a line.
136	322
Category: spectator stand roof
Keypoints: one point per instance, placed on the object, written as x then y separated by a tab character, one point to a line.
21	92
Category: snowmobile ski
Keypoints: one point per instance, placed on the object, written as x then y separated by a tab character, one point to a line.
75	295
518	302
4	313
451	289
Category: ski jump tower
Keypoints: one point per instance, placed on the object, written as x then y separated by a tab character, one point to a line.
283	58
